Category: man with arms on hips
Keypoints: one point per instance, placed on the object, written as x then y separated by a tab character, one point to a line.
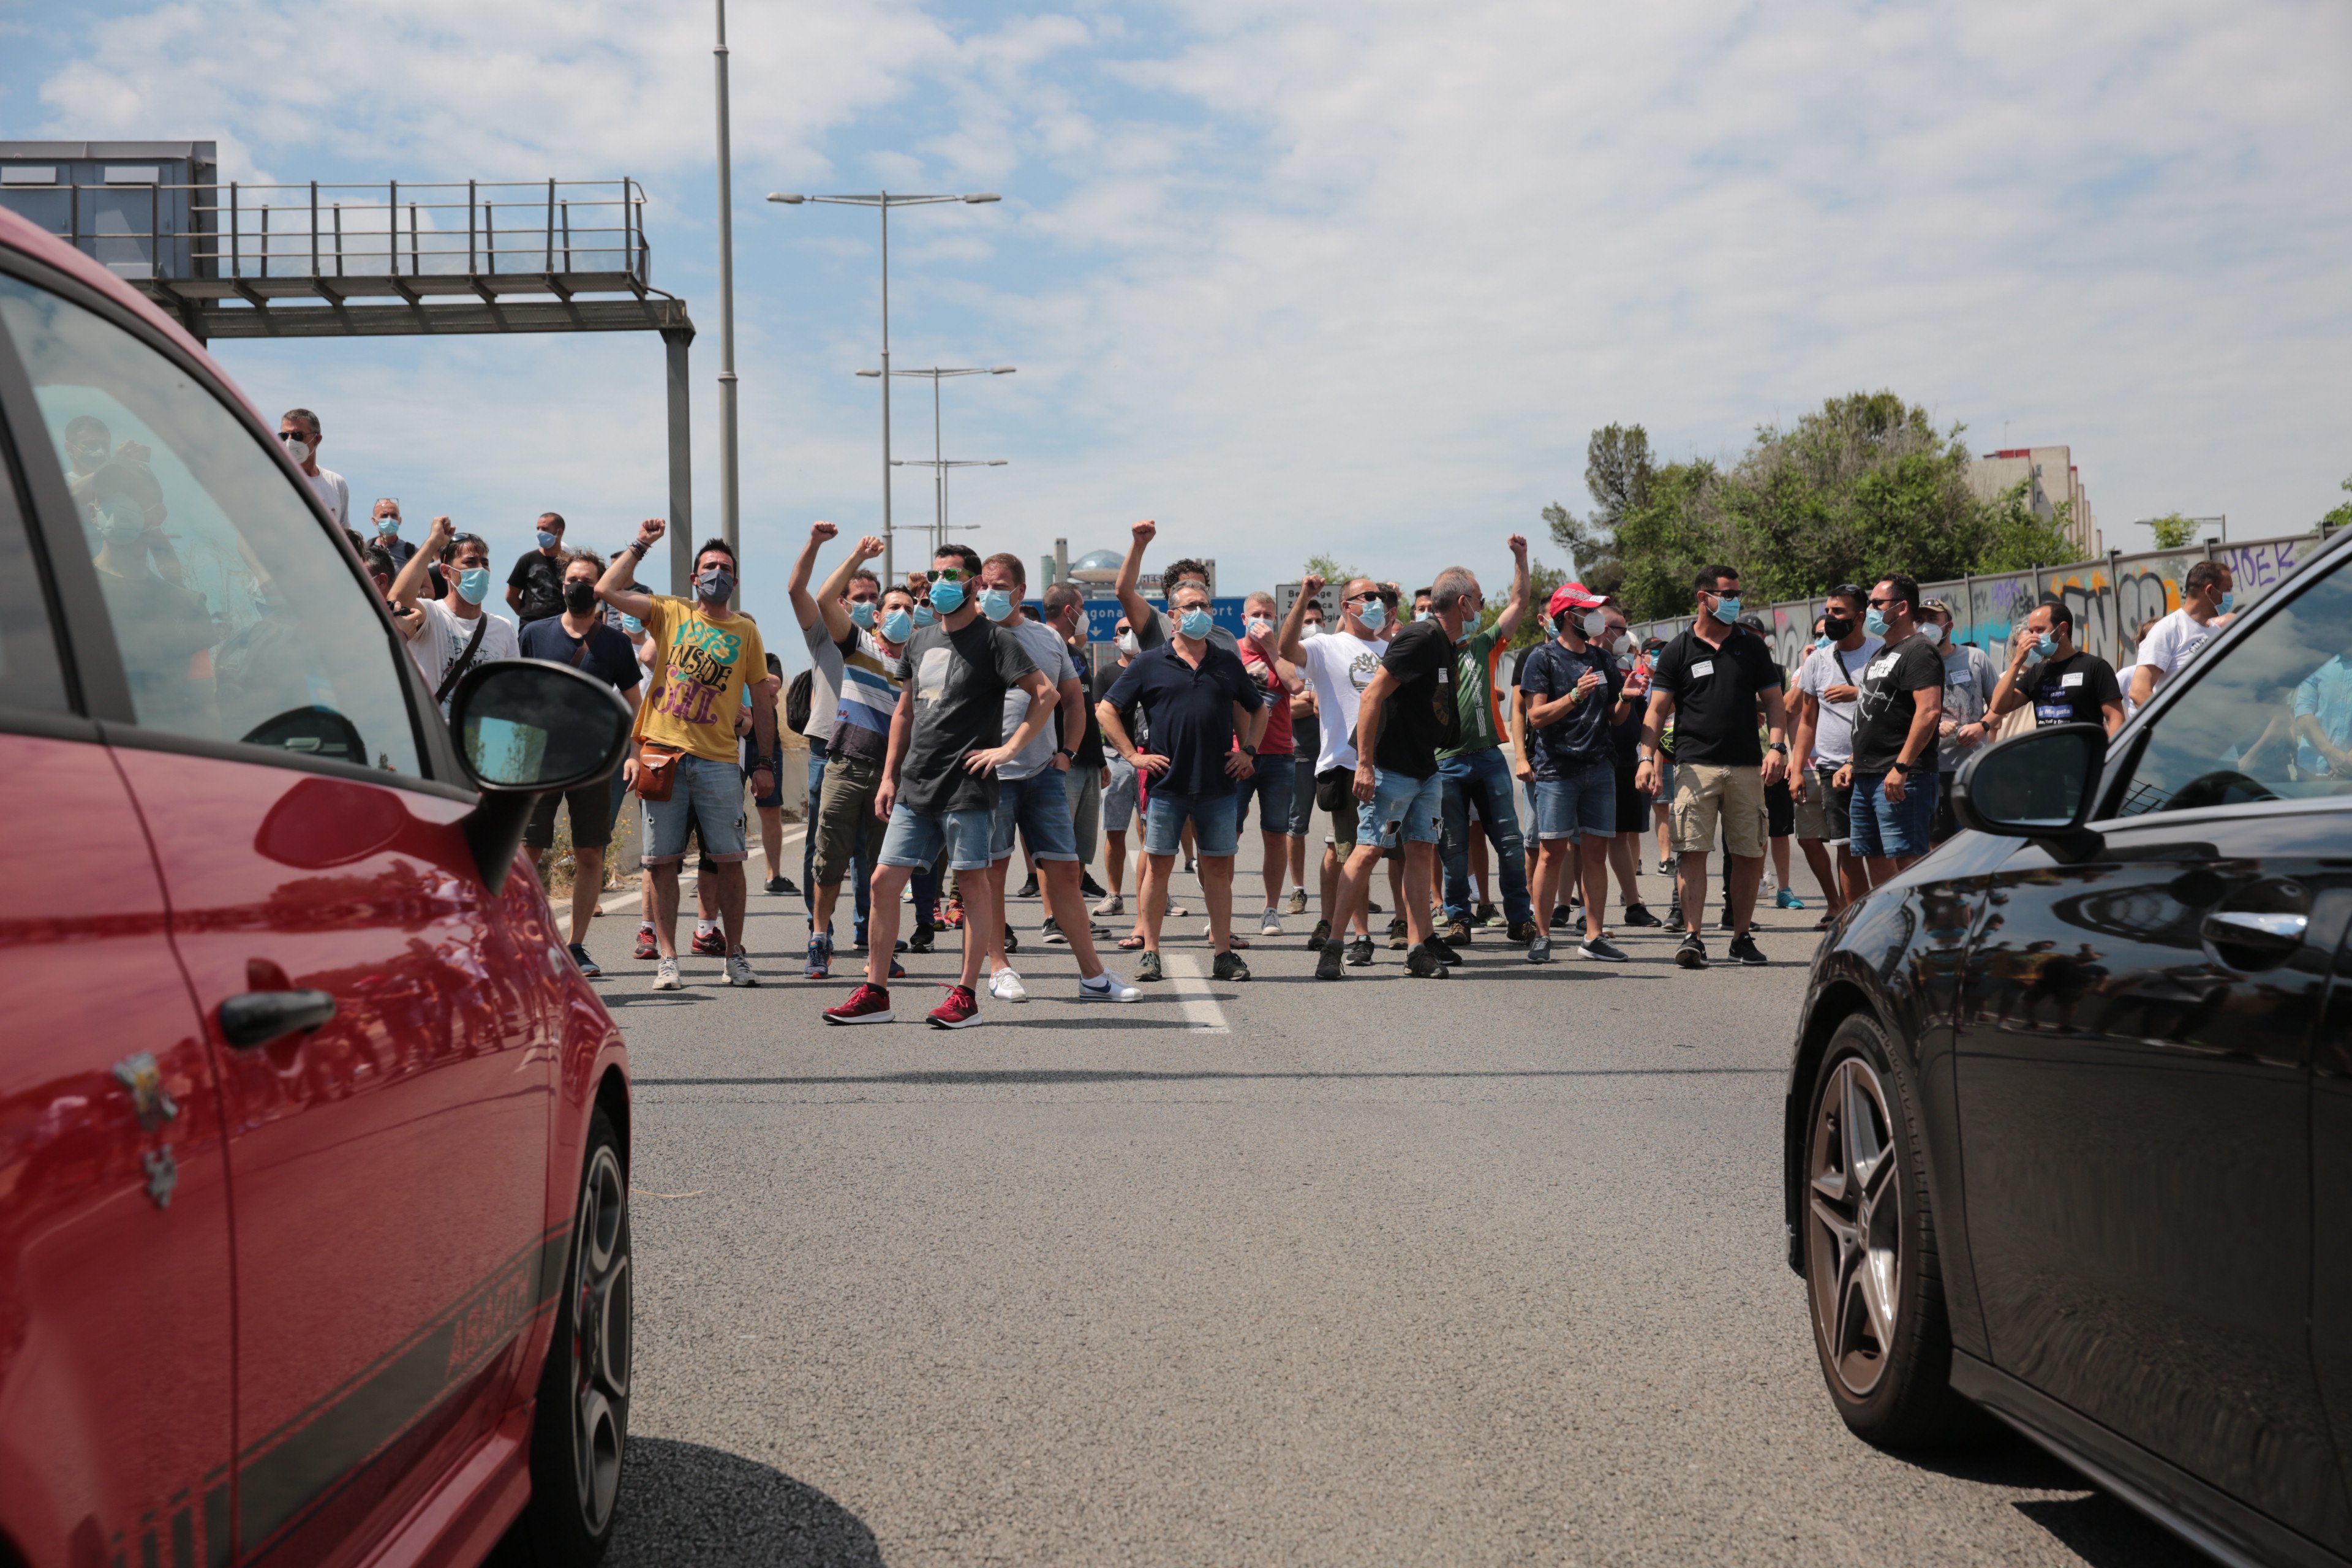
1896	719
705	655
1475	777
535	585
2206	600
2065	684
1572	695
580	639
1406	715
1033	794
1707	682
1338	666
1828	683
298	433
859	635
1273	782
939	783
1197	700
453	634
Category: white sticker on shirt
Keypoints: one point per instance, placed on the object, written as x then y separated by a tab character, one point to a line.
1883	667
1445	677
2073	679
1703	666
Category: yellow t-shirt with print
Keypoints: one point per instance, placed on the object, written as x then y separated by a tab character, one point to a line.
700	667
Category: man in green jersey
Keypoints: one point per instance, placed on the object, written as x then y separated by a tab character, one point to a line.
1478	777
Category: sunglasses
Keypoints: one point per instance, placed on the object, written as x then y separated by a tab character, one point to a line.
292	436
946	574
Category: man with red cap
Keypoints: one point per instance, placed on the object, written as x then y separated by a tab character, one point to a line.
1571	696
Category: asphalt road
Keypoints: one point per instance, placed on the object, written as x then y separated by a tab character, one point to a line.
1487	1269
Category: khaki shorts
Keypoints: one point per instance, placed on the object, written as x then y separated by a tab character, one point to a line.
1813	816
1705	793
844	819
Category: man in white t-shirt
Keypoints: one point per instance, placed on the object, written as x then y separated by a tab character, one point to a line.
1338	666
2206	600
1827	684
300	432
444	627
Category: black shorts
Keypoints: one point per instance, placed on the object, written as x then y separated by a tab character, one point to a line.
1835	804
1632	806
1780	810
592	816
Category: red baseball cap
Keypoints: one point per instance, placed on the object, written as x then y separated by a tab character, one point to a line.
1575	596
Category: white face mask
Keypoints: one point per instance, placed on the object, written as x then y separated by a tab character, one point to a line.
1595	623
1622	644
1310	631
1127	643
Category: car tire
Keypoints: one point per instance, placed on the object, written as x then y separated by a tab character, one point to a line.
581	1433
1874	1288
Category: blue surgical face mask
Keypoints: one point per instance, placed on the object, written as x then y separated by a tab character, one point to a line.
947	597
634	626
1726	610
1424	614
996	604
547	540
2042	648
1873	621
1374	616
896	625
474	585
1823	641
1934	632
1196	623
2222	607
388	524
925	616
861	614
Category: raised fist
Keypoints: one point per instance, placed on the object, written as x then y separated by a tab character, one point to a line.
1519	543
650	531
1146	531
823	532
869	547
1310	587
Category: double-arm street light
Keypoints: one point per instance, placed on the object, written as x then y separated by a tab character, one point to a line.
883	201
938	466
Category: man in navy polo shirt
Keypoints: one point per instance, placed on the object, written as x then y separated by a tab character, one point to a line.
1196	698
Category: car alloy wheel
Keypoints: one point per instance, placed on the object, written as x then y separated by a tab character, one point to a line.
1853	1234
599	1309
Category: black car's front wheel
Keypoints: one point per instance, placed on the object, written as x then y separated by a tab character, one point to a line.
583	1395
1871	1269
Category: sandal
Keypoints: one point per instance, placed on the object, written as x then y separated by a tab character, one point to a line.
1130	942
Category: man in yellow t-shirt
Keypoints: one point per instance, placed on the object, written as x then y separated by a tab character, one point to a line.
704	657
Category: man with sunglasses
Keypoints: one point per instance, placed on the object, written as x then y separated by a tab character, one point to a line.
1896	721
1338	665
299	432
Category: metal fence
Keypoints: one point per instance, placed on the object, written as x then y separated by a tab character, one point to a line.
2111	597
474	228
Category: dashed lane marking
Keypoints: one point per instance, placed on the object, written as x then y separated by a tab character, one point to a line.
1200	1009
627	897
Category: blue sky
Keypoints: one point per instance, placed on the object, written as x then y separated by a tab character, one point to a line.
1356	278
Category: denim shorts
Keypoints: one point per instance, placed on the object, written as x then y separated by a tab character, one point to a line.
1274	786
1889	829
1405	810
1215	826
1581	804
1040	807
1119	796
708	795
914	837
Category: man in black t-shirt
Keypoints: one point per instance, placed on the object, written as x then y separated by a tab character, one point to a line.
1898	713
2065	684
1406	716
535	586
1708	682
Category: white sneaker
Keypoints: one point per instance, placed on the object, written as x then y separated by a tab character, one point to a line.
1269	923
1006	986
1108	988
666	975
739	969
1114	905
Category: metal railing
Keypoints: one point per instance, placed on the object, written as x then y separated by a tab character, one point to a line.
469	229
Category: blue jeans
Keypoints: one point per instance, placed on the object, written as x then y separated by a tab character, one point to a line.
1889	829
1273	784
916	838
1485	778
1580	804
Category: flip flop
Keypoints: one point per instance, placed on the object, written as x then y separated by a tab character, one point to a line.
1129	943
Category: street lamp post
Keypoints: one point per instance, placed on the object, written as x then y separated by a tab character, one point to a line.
940	467
936	375
882	202
729	490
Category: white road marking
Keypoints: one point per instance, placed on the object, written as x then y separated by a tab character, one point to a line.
627	897
1200	1007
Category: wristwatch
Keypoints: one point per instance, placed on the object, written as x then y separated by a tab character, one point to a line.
1249	751
1779	746
1066	752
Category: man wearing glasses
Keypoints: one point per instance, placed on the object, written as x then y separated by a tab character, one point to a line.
1896	721
299	431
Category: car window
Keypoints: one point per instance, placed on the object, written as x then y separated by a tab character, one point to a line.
2269	718
236	616
30	676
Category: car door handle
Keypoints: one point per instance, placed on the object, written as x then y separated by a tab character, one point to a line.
2249	928
257	1017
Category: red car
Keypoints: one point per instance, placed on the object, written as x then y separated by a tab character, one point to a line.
314	1240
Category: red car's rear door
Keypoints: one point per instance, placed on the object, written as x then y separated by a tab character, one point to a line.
115	1313
389	1168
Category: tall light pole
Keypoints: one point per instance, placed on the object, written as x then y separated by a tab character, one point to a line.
729	490
940	477
940	467
883	201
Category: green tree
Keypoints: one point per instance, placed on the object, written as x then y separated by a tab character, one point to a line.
1617	473
2172	530
1330	570
2340	516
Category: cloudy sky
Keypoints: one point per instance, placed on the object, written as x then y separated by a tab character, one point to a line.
1348	277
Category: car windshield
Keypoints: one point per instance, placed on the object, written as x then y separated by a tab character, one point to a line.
2270	718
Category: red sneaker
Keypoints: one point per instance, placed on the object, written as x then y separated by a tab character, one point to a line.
951	917
869	1004
710	944
959	1011
646	946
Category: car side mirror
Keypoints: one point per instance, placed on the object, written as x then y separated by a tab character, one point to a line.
2037	786
527	727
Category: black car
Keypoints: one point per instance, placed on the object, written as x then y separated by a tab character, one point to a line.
2069	1128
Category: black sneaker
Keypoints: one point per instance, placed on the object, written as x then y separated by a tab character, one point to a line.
1088	887
1540	950
1826	921
921	940
1674	915
1424	963
1443	949
1486	915
1370	908
1053	932
1724	921
1523	931
1029	888
1147	967
1562	915
1012	941
1399	934
1744	949
587	964
1320	936
780	885
1640	915
1327	967
1692	955
1360	951
1602	950
1229	967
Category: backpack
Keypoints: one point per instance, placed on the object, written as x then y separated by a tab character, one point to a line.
798	699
